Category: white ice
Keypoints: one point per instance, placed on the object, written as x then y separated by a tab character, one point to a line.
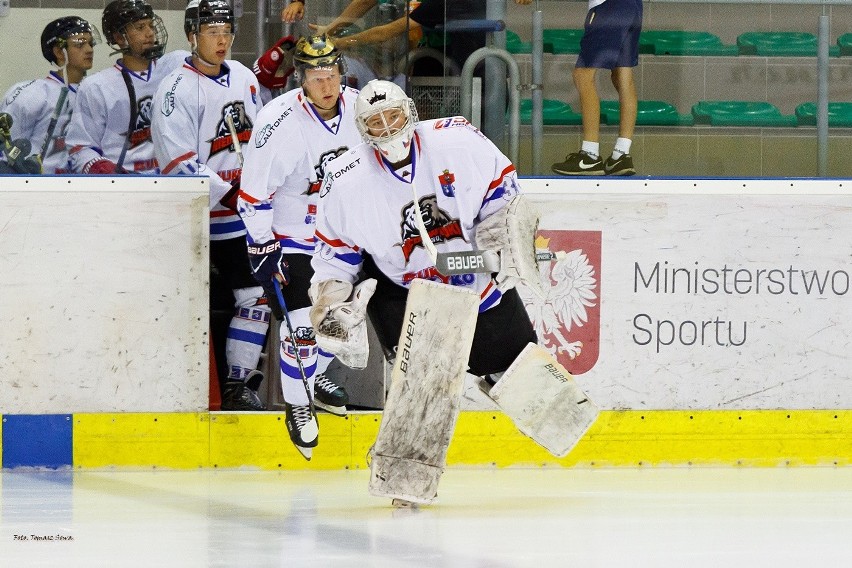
491	518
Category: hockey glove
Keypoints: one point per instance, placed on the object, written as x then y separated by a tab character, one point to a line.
279	56
102	167
339	320
511	230
267	262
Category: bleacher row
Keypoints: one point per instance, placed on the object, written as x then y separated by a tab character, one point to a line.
713	113
680	42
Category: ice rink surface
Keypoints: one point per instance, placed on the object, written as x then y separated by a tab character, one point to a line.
483	518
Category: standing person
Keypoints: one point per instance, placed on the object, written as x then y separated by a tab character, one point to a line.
610	41
367	219
41	108
297	134
110	130
191	136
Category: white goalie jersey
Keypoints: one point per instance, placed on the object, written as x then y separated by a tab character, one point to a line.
31	105
459	177
191	136
285	162
101	118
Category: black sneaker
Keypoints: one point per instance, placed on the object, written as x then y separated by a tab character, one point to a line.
330	396
303	428
623	166
580	164
242	395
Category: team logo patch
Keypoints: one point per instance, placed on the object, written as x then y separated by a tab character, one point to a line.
453	121
253	92
567	318
440	226
142	131
242	124
319	168
446	179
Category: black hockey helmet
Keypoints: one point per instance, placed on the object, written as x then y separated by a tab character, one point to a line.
57	32
316	51
119	13
199	12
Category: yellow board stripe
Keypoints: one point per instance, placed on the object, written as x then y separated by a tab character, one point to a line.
757	438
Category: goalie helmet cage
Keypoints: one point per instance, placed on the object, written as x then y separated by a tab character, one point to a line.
437	97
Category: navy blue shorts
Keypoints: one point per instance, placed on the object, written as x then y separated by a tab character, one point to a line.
611	36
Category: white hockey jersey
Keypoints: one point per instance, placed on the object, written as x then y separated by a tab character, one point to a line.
31	105
285	163
459	177
191	136
99	125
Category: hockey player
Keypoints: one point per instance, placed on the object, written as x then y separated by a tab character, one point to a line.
191	133
41	109
110	131
296	135
392	207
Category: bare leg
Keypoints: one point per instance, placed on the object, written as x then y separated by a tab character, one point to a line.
628	102
590	102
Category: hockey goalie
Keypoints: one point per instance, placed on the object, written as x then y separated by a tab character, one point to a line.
417	198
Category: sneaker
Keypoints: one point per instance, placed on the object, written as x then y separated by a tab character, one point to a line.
580	164
330	396
623	166
302	427
242	395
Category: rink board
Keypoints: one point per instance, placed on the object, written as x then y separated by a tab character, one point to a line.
766	438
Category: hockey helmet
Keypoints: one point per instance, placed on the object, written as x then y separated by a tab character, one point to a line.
316	51
386	117
119	13
57	32
199	12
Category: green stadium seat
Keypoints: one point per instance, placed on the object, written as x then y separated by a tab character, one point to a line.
839	114
515	45
678	42
650	113
740	113
562	40
844	44
774	44
553	113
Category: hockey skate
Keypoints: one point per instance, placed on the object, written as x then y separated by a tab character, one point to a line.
242	395
330	396
303	428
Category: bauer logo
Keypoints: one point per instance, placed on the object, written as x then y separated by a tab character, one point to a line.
567	317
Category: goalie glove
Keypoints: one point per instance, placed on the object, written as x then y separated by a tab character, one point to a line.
267	65
339	319
511	230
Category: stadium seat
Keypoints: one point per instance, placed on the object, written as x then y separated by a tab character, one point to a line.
515	45
678	42
844	43
839	114
554	113
650	113
740	113
562	41
774	44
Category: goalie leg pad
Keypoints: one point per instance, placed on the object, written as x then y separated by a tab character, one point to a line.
543	400
423	403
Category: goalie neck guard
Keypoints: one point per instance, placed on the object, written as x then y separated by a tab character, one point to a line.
118	14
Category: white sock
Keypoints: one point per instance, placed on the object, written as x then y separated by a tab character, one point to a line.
622	146
593	149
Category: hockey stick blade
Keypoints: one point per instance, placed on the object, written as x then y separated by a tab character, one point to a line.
468	262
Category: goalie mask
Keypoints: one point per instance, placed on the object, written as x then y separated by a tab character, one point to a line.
386	117
57	33
121	13
314	52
